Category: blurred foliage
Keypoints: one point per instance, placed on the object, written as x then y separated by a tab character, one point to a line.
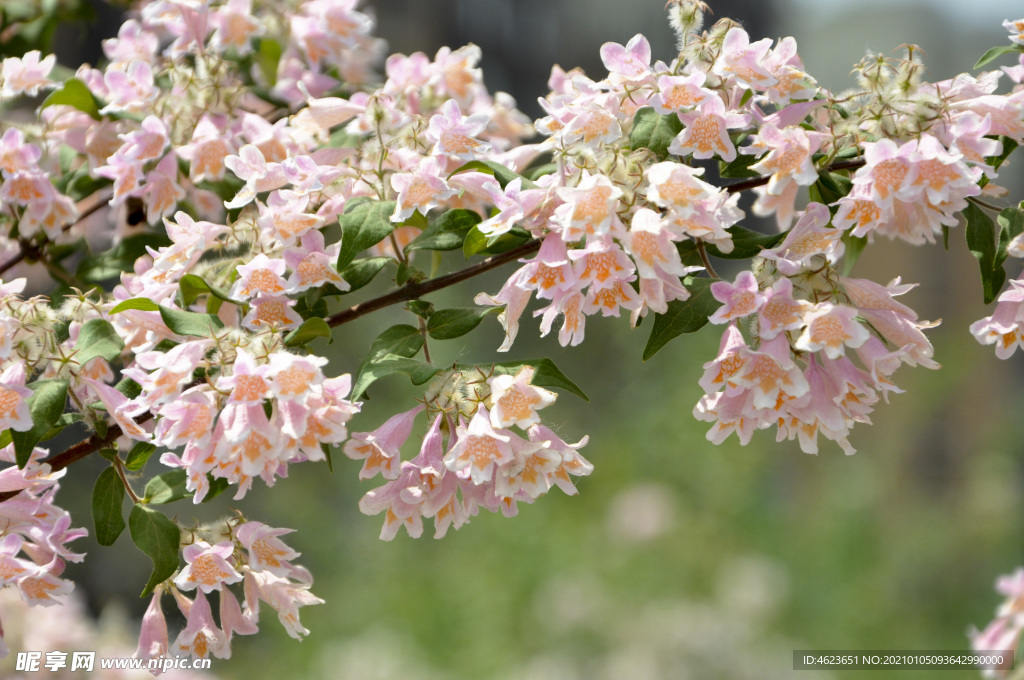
27	25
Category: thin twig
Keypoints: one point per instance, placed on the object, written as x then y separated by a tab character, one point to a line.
704	258
124	480
24	248
413	290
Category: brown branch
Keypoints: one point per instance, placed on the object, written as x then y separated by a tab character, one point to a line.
25	248
410	291
82	449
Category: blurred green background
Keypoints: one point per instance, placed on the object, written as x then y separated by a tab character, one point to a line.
679	559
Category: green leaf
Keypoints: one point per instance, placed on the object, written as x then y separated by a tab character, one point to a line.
420	308
121	258
343	139
65	420
190	323
159	538
406	272
361	272
403	340
107	499
447	232
1011	224
688	253
74	93
446	324
545	374
138	455
364	224
166	487
997	52
192	287
683	316
854	247
97	338
653	131
82	185
832	186
46	406
142	304
389	364
746	243
267	57
218	485
739	166
539	171
476	243
311	329
981	240
128	388
497	170
1008	146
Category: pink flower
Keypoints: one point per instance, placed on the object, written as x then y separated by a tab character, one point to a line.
188	418
1004	327
513	203
161	374
530	473
132	42
456	136
680	92
744	60
130	88
707	131
739	299
650	243
285	216
26	74
207	151
285	597
153	638
572	462
589	208
122	410
271	311
260	275
201	637
514	296
1016	29
677	186
381	449
628	64
421	190
810	238
14	412
208	568
831	328
479	449
515	401
780	311
312	264
234	26
266	551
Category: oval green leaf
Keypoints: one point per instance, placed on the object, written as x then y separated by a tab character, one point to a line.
107	499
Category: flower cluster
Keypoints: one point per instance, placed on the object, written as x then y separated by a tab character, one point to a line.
794	370
1004	632
222	142
238	551
484	465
